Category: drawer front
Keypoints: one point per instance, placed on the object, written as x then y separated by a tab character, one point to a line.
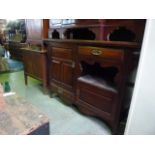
98	101
109	53
63	53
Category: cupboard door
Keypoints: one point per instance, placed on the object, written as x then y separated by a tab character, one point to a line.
67	74
56	70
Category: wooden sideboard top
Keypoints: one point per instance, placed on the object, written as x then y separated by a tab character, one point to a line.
97	43
31	50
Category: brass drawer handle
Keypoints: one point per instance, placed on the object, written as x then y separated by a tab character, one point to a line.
96	52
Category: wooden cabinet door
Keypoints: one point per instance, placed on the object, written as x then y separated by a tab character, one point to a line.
67	74
56	70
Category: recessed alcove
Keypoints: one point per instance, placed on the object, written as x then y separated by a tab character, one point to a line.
98	74
79	33
122	33
55	35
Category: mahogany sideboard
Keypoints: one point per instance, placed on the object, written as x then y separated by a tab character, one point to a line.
91	74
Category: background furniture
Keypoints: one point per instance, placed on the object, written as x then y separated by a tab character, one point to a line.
35	65
34	56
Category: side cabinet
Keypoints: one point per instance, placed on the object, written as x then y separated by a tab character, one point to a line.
100	85
62	76
35	65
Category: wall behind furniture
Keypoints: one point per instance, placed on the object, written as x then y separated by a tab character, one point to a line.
141	119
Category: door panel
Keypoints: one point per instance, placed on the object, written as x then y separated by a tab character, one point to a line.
56	70
67	74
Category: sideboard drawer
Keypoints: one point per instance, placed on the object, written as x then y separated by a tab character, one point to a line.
95	97
63	53
101	52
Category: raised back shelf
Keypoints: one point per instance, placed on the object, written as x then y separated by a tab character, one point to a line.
79	33
93	29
